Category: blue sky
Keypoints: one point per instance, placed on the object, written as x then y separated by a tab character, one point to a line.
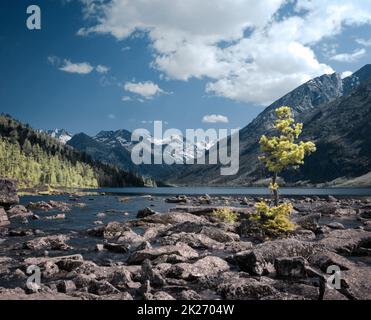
181	62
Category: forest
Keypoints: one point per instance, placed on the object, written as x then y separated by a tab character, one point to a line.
35	159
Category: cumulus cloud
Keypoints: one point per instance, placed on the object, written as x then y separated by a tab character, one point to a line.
350	57
364	42
246	49
102	69
147	90
76	67
79	68
215	118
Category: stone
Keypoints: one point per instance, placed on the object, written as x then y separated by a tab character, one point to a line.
180	249
196	241
293	267
56	242
8	193
4	221
325	259
204	267
151	274
309	221
336	226
102	288
238	288
99	247
189	295
66	286
19	211
117	248
145	213
59	216
345	241
260	260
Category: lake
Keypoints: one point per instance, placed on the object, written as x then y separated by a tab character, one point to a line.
236	191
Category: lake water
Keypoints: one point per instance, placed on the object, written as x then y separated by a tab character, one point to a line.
237	191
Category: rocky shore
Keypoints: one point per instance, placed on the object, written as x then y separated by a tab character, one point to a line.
187	254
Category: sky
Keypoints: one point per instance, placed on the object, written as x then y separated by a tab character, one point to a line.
121	64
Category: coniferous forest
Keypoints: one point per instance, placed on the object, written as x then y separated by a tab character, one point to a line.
34	159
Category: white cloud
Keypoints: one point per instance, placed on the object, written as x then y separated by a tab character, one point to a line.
346	74
79	68
258	66
215	118
126	98
364	42
102	69
111	116
146	90
350	57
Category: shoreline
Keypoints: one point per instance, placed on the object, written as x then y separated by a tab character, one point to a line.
182	252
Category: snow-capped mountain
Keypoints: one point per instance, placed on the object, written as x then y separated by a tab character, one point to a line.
114	147
60	134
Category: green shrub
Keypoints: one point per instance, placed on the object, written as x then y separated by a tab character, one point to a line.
225	215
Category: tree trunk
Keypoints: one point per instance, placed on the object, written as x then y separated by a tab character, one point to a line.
275	191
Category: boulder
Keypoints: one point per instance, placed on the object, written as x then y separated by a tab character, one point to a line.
260	260
180	249
8	193
196	241
204	267
145	213
345	241
336	226
151	274
57	242
66	286
117	248
309	221
293	267
4	221
323	260
240	288
19	211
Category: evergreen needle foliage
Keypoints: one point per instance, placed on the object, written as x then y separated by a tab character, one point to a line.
36	159
225	215
278	153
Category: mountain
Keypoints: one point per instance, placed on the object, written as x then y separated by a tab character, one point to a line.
60	134
313	96
35	159
114	147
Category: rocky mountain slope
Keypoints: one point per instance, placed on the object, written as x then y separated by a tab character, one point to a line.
331	109
114	147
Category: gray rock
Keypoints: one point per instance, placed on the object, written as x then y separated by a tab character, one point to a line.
345	241
117	248
189	295
245	289
151	274
8	192
56	242
293	267
260	260
180	249
309	221
204	267
145	213
19	211
66	286
336	226
196	241
4	221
